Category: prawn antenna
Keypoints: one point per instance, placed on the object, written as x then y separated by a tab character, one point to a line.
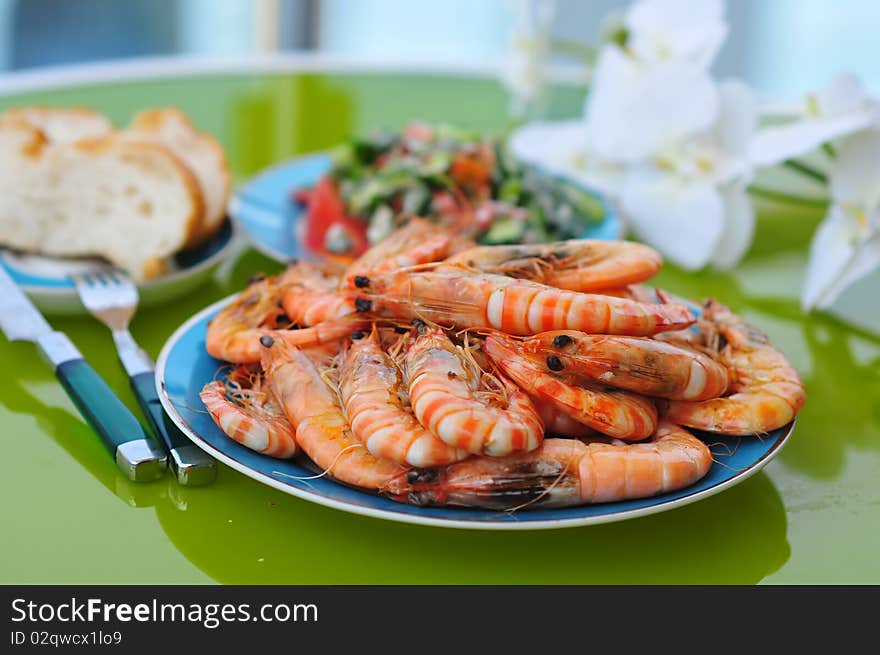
546	491
186	406
323	473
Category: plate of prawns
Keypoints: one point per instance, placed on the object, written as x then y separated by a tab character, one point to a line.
440	382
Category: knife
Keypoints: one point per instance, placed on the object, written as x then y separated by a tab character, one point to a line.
137	454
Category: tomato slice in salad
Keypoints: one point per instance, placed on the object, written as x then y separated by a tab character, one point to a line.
472	173
326	211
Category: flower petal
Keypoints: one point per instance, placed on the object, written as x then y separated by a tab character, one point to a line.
830	251
772	145
739	228
865	260
634	110
683	220
738	116
662	30
845	94
524	77
855	176
560	148
548	144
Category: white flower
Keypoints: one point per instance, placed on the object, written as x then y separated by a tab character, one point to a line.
689	200
846	246
635	109
525	67
656	88
676	30
561	148
839	109
661	137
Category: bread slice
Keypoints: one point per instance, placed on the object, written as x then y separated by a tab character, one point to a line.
134	204
201	152
65	125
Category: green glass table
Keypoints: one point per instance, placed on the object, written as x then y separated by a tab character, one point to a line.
68	516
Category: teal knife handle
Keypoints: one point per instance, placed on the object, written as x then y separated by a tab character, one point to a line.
110	418
144	387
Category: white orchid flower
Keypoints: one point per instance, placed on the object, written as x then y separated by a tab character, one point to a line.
833	112
635	109
689	200
524	73
561	148
661	31
846	246
635	103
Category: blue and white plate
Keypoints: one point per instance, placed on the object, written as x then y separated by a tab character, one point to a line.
184	367
270	218
46	280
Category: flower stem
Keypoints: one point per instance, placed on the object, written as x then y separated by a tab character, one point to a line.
781	196
573	48
809	171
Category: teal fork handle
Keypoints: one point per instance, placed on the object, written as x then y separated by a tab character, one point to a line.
135	451
144	387
190	465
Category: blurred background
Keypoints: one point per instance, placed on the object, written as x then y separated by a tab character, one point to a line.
784	47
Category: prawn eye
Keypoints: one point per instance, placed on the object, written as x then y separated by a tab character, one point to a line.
292	262
554	364
401	330
361	281
562	340
267	341
363	305
357	335
257	277
421	475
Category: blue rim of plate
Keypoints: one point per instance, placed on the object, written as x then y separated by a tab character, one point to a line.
266	213
55	279
184	367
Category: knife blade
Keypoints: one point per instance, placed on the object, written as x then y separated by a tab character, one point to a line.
135	451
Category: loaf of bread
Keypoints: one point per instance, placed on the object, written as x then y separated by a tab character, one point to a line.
73	186
200	152
63	125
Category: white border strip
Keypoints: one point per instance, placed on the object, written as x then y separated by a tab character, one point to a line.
147	68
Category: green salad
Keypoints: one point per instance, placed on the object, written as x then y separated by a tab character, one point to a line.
455	177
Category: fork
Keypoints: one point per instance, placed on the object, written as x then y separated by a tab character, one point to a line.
112	298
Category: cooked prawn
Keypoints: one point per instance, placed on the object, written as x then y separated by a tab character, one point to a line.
416	242
247	412
309	297
255	311
584	265
564	472
322	430
643	365
445	392
619	414
559	423
688	336
477	300
376	403
242	346
234	333
312	297
767	392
